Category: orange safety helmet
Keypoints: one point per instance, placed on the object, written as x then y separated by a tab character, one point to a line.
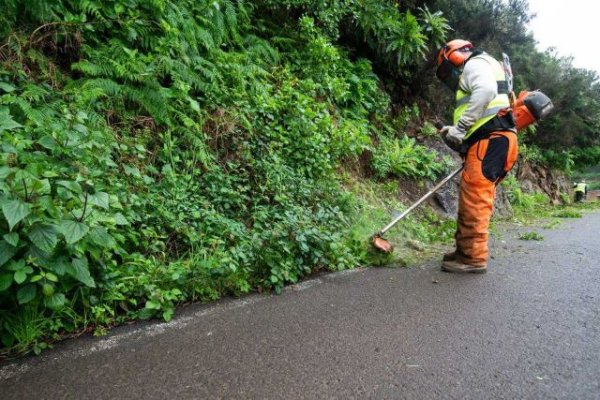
450	60
456	51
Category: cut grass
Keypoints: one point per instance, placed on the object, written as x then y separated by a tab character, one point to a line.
531	236
568	213
418	236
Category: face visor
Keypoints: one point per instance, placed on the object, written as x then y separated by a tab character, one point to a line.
449	74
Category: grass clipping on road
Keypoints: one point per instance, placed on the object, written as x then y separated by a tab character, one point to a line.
415	238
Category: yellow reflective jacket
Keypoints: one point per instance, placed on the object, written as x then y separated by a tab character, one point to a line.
581	187
500	102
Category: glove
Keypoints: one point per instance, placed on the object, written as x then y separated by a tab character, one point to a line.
453	135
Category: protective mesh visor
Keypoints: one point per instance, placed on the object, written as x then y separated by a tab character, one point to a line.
448	74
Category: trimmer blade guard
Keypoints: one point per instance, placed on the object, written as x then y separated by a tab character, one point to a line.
382	245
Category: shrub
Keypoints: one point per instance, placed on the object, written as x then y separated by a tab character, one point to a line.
154	152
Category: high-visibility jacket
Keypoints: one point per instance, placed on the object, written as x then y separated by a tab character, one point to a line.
500	102
581	187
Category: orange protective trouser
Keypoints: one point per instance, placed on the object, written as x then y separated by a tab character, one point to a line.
485	165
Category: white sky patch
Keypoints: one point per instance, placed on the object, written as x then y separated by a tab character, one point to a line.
572	27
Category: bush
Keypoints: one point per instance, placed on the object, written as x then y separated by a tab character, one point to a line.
159	152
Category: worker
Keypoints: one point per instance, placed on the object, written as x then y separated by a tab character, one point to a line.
580	191
484	132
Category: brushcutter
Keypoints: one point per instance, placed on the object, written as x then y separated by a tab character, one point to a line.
383	245
528	108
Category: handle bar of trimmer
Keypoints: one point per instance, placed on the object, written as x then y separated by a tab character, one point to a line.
421	200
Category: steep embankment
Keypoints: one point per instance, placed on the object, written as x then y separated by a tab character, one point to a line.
158	152
534	177
155	152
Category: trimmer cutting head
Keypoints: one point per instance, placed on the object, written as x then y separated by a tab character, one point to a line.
382	245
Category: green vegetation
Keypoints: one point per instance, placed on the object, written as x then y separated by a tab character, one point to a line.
531	236
591	176
155	152
536	208
524	203
403	157
567	214
413	238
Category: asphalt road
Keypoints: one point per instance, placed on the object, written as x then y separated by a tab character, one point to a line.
528	329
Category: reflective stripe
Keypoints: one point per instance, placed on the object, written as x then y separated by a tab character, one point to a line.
462	101
492	111
502	85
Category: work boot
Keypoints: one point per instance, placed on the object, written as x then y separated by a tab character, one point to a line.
459	267
451	256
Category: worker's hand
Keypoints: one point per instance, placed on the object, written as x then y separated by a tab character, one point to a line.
452	135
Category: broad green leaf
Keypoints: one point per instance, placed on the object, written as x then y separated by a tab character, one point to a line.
47	289
9	148
48	142
46	203
20	276
15	265
41	186
55	302
80	128
26	294
115	203
7	87
50	174
60	266
6	252
37	254
5	172
12	238
132	171
99	199
146	313
5	281
194	105
14	211
80	271
73	230
100	236
71	185
24	175
44	237
6	121
153	305
120	219
51	277
168	314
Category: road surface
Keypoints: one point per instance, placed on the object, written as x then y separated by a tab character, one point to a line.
528	329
